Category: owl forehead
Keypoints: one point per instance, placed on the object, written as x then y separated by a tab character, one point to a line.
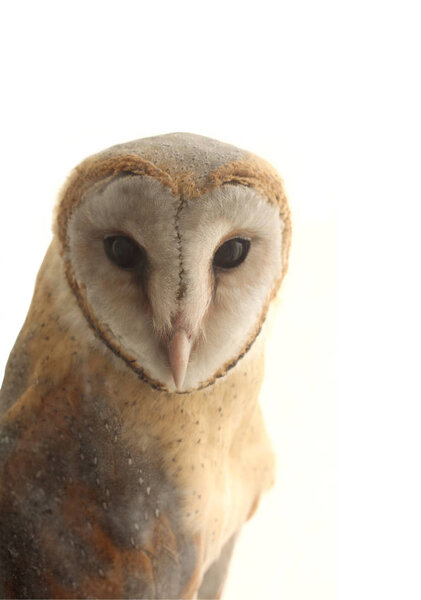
186	158
142	206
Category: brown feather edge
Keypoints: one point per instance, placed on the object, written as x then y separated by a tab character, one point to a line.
253	172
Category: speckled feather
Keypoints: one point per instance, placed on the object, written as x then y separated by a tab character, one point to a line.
110	488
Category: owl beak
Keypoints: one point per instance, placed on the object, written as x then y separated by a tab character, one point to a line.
179	354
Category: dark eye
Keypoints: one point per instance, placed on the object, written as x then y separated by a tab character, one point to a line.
123	252
232	253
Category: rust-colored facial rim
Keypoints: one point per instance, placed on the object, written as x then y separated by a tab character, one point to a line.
253	172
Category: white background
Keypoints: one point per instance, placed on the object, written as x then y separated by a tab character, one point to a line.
328	92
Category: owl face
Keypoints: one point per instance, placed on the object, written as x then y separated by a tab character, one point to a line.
177	285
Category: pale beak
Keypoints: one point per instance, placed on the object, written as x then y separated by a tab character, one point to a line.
179	353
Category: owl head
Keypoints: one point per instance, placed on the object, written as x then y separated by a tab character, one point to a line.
174	247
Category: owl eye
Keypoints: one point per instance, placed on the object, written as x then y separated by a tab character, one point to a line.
232	253
123	251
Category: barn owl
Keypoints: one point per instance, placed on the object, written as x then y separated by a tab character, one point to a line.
132	444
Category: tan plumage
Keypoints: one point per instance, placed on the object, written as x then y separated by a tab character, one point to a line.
114	483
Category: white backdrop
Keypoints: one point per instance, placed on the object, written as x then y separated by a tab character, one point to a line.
307	85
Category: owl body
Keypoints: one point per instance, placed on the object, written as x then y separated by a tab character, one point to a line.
133	445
